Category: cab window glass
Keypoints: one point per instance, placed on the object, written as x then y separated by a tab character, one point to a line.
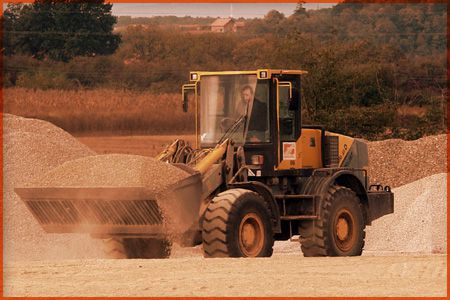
258	123
287	117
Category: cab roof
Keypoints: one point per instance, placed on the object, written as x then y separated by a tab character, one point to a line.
259	72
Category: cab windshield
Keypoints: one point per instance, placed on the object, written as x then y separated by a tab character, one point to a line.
234	106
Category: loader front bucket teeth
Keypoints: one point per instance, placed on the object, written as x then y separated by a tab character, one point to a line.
125	211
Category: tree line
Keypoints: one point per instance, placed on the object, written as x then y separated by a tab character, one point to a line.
365	62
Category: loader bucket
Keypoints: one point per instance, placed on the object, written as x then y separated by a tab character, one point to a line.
122	211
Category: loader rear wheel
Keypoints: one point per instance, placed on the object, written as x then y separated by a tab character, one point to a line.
237	224
146	248
340	228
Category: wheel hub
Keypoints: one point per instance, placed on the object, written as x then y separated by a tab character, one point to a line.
344	230
251	235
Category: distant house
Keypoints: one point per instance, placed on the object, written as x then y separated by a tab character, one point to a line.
223	25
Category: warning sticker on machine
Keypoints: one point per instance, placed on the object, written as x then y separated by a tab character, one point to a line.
289	151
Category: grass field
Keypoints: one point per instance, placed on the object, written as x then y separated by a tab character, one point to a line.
102	111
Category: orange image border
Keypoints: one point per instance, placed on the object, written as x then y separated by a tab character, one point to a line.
234	298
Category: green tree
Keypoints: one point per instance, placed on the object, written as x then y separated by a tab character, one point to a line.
60	30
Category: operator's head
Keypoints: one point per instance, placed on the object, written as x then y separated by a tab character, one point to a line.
247	93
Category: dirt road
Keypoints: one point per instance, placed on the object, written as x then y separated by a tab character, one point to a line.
281	275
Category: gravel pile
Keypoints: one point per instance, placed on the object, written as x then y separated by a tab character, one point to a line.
30	148
419	221
396	162
124	170
114	170
14	124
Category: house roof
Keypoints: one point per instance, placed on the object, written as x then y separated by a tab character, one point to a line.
221	22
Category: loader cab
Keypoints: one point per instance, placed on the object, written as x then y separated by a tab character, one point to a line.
260	110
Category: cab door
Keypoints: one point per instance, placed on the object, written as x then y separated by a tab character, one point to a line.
288	121
300	148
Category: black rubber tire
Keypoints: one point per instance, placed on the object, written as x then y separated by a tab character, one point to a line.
145	248
320	237
224	220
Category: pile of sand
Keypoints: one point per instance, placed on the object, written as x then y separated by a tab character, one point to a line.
31	148
419	221
418	169
124	170
37	153
397	162
114	170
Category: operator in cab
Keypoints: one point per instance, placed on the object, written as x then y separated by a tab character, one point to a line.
257	122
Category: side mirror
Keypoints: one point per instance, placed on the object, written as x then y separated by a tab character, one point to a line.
189	91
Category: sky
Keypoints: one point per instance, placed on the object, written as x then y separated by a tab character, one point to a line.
237	10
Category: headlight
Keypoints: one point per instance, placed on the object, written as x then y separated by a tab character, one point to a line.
194	76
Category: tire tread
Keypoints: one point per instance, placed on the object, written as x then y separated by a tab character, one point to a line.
216	221
314	234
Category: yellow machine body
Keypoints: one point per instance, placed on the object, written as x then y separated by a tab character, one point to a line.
308	150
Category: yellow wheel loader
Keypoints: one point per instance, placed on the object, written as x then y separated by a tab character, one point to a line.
256	174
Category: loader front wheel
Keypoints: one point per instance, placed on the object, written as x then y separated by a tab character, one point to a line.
145	248
114	248
237	224
340	229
